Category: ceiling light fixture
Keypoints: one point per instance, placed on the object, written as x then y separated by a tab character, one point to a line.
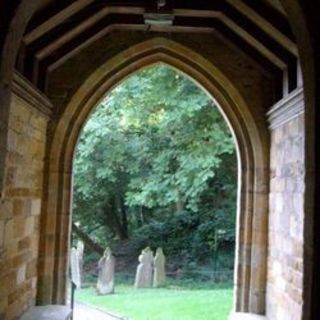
159	18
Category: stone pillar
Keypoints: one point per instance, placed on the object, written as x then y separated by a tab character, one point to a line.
20	204
286	208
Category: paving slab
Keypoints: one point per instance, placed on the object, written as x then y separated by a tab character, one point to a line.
85	312
49	312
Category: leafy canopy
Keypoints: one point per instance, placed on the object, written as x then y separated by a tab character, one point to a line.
155	145
158	136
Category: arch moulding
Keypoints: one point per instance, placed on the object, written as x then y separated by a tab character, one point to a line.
252	146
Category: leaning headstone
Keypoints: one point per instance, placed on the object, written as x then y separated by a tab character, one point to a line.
80	250
75	268
106	265
144	270
159	275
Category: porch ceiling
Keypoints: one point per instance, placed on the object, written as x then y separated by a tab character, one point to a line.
61	29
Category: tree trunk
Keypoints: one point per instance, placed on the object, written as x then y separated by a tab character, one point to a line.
179	204
121	218
141	216
87	240
124	219
112	219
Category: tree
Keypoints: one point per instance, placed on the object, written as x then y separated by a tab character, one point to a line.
152	148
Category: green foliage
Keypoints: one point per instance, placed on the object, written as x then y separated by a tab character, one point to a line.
156	160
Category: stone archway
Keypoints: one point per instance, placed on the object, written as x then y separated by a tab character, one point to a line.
20	14
252	147
302	17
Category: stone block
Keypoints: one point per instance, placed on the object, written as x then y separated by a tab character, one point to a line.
9	232
21	274
279	203
49	312
35	207
13	138
11	176
24	243
27	207
298	204
294	128
29	225
38	122
39	136
34	245
31	270
3	306
294	293
8	281
19	226
2	230
6	209
34	284
290	184
296	228
21	258
18	207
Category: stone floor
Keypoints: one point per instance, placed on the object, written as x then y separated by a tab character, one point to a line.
84	312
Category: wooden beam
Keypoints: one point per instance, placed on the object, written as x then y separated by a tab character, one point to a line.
62	57
202	23
56	61
241	32
55	20
54	45
276	4
59	60
254	42
196	13
53	65
265	25
275	17
65	38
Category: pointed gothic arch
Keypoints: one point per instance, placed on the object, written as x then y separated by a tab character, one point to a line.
253	158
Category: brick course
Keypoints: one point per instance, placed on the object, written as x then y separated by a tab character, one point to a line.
20	208
286	221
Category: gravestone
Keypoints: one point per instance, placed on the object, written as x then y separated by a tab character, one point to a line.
106	265
144	270
80	250
75	268
159	275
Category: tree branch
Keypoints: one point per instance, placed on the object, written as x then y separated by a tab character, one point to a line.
87	240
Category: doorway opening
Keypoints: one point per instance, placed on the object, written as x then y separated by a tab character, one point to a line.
156	166
252	150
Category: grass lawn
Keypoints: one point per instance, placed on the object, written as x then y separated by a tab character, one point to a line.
172	302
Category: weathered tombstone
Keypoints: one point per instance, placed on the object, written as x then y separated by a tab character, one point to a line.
106	265
75	268
144	270
159	275
80	250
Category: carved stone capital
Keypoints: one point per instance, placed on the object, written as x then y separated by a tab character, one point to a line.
35	98
286	109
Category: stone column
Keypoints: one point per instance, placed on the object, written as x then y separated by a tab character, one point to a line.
286	208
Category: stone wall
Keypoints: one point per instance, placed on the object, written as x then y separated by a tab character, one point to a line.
286	206
232	79
21	200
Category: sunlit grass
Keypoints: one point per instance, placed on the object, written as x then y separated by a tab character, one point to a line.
173	302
